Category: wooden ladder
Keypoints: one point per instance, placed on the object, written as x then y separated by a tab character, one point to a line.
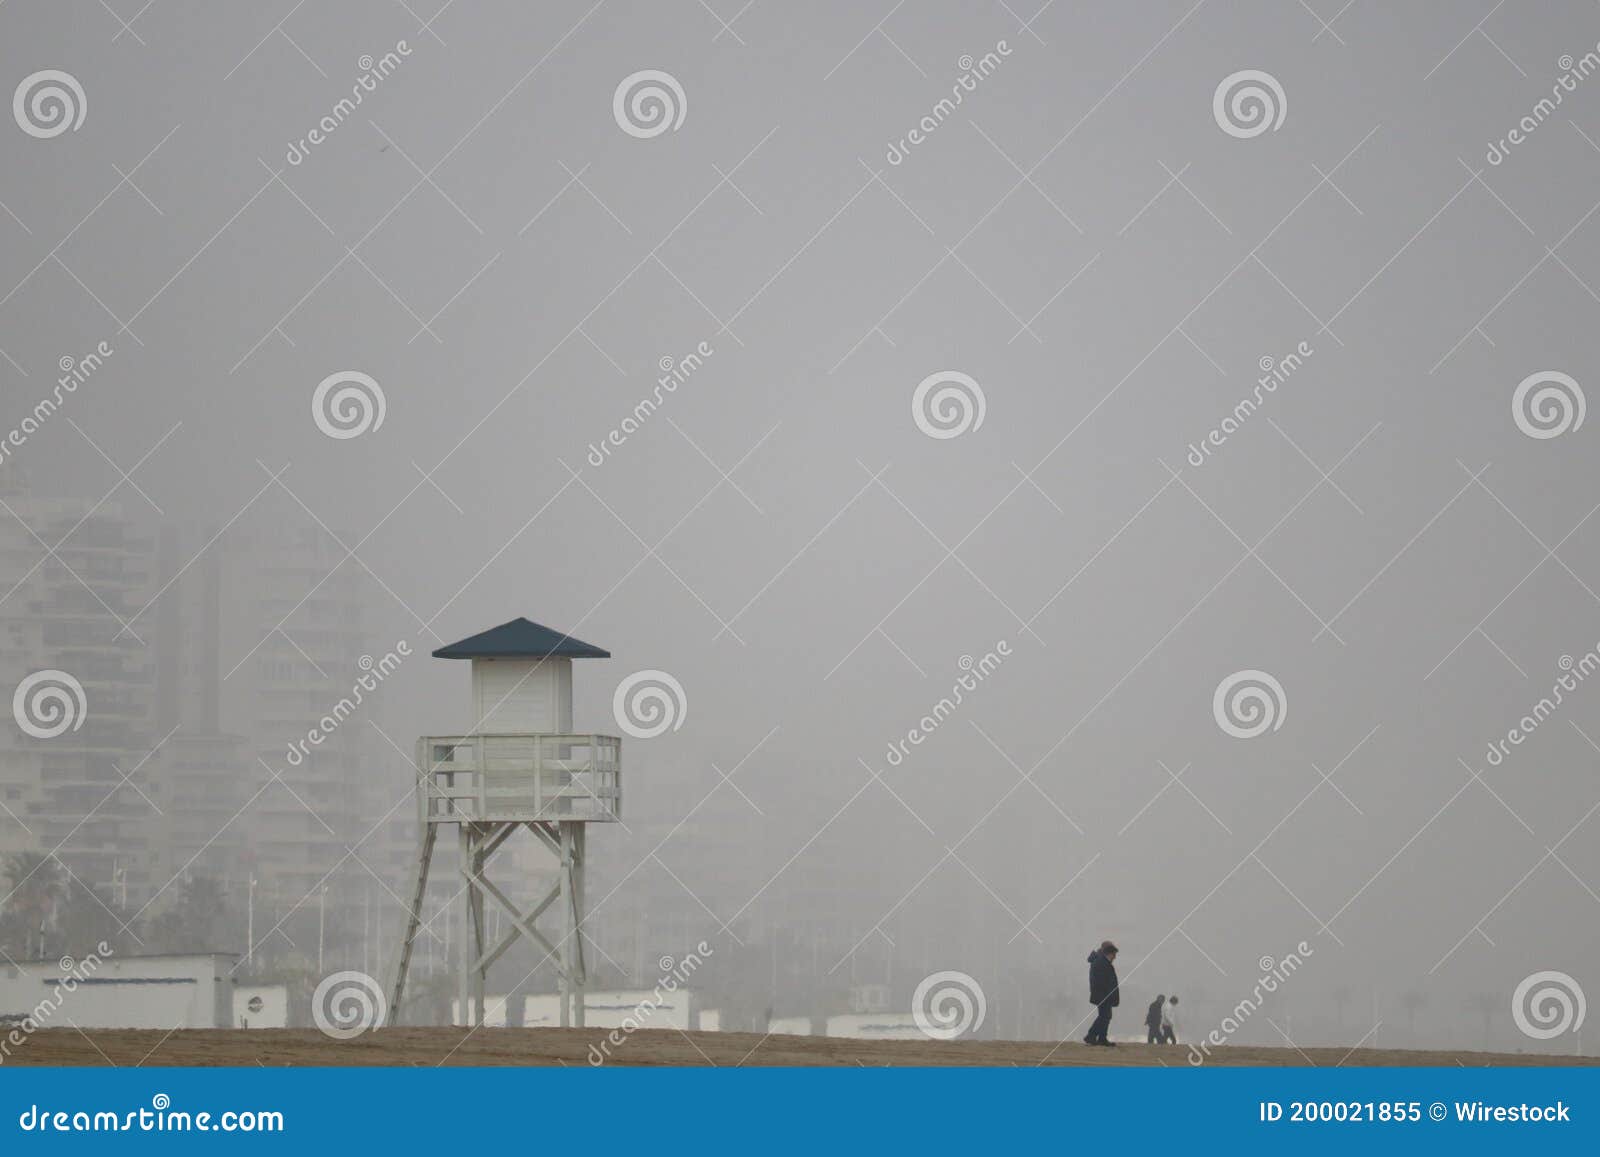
413	921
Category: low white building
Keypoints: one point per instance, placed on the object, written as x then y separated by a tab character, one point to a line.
875	1026
871	998
165	992
261	1006
642	1008
790	1026
494	1011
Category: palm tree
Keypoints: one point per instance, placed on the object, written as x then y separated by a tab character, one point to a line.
86	919
1411	1002
193	922
202	906
1486	1004
1341	997
35	885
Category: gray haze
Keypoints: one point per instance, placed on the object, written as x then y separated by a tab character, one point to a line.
1081	237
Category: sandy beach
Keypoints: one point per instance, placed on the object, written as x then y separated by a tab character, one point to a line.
520	1046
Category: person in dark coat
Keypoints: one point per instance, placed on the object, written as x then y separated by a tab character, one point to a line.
1152	1019
1103	992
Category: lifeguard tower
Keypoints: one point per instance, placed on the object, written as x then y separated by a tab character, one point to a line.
520	766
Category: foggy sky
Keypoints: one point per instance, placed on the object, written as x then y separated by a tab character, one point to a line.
1411	613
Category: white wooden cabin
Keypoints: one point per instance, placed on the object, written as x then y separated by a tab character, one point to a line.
520	760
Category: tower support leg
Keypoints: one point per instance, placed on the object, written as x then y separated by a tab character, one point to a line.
464	986
480	969
478	844
564	962
579	965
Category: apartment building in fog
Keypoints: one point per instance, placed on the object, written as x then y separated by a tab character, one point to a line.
73	575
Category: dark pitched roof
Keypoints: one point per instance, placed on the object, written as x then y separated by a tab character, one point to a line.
521	639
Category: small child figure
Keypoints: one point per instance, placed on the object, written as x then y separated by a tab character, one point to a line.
1169	1021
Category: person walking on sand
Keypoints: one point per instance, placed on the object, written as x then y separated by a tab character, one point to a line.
1103	992
1152	1019
1169	1021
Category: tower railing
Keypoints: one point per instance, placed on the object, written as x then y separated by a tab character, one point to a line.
519	776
